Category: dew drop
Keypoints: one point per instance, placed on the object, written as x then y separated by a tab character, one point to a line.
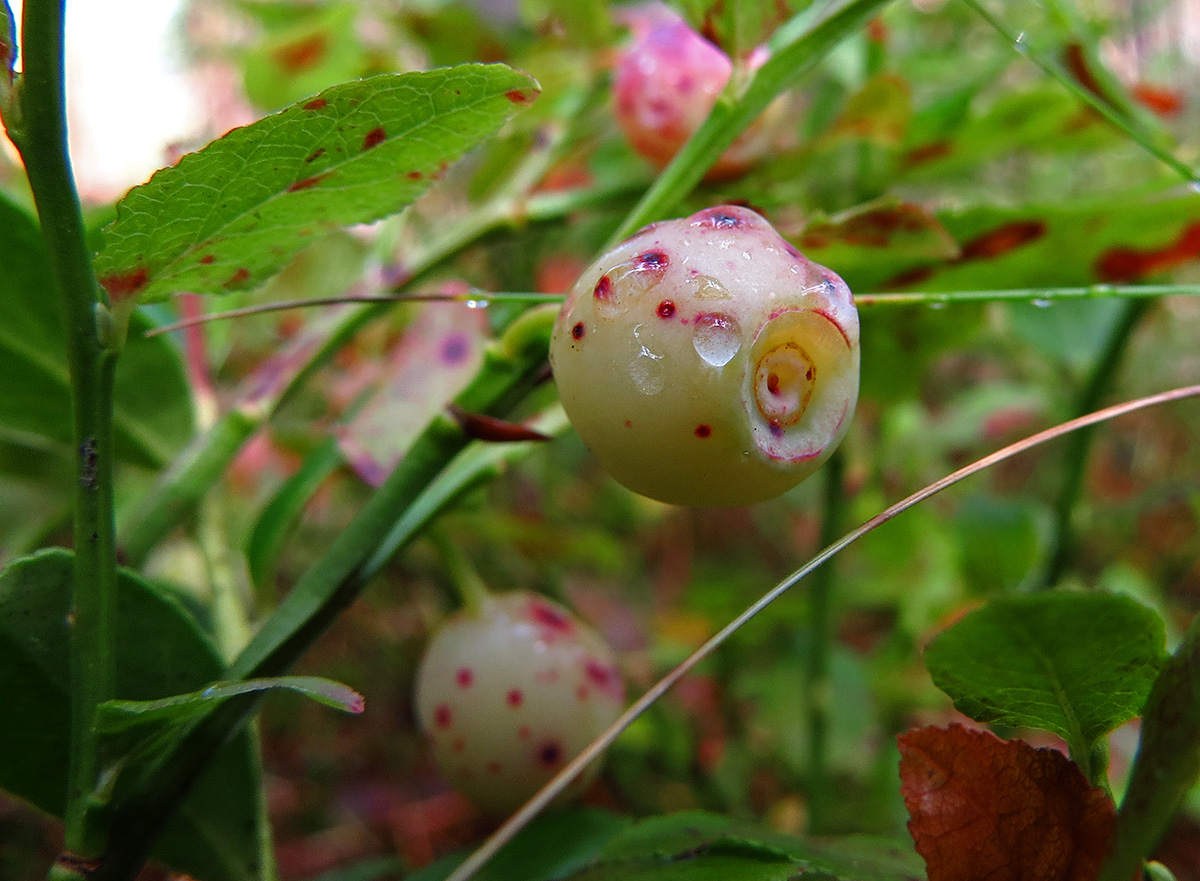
716	339
1019	43
1041	303
477	304
646	368
937	304
1194	186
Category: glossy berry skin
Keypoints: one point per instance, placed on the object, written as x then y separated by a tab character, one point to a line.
706	361
665	84
510	693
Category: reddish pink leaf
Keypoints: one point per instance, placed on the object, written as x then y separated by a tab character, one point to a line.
985	808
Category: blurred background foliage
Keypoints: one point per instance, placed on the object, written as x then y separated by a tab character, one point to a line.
927	153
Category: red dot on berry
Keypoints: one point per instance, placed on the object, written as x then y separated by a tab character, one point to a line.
577	331
550	617
459	745
464	677
493	768
550	753
442	717
703	430
603	289
515	697
666	309
524	733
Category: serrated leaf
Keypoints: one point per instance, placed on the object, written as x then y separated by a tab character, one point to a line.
214	835
1077	665
153	413
231	215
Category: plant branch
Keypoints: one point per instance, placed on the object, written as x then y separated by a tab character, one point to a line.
572	769
93	339
1062	546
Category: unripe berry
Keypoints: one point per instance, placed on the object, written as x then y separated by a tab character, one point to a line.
706	361
667	81
510	692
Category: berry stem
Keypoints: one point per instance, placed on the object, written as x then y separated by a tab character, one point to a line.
471	590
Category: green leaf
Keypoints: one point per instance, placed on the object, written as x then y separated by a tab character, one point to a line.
231	215
279	516
1078	665
153	416
116	716
161	652
8	53
747	849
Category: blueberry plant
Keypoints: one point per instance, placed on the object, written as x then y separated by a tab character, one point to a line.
616	316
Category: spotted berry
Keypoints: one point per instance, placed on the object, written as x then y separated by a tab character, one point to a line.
667	81
510	692
720	366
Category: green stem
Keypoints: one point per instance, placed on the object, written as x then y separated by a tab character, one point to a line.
471	590
1041	296
41	136
1167	762
1062	543
510	369
817	688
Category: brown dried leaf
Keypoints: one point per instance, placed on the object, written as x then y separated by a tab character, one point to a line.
985	808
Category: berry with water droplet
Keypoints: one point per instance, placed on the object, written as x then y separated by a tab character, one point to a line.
510	692
706	361
667	81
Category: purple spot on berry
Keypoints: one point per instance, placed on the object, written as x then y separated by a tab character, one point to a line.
792	249
577	331
550	753
464	677
442	717
603	288
515	697
776	428
652	261
718	219
666	309
455	349
604	677
703	431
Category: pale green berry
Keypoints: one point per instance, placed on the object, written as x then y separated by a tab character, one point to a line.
706	361
510	692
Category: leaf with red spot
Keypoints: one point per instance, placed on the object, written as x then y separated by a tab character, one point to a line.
982	807
233	214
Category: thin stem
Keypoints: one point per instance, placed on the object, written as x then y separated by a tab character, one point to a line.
572	769
817	688
1075	459
471	590
41	137
1040	296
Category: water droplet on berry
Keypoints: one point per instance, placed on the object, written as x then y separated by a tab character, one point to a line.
716	339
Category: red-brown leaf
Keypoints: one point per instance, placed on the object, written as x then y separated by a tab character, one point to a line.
986	809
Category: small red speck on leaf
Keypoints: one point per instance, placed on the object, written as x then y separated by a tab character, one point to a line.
239	276
306	183
302	54
464	677
666	309
603	289
122	285
515	697
1002	239
629	423
207	258
982	807
317	154
1129	264
315	104
577	331
414	175
374	137
703	431
442	717
927	153
518	96
1167	103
